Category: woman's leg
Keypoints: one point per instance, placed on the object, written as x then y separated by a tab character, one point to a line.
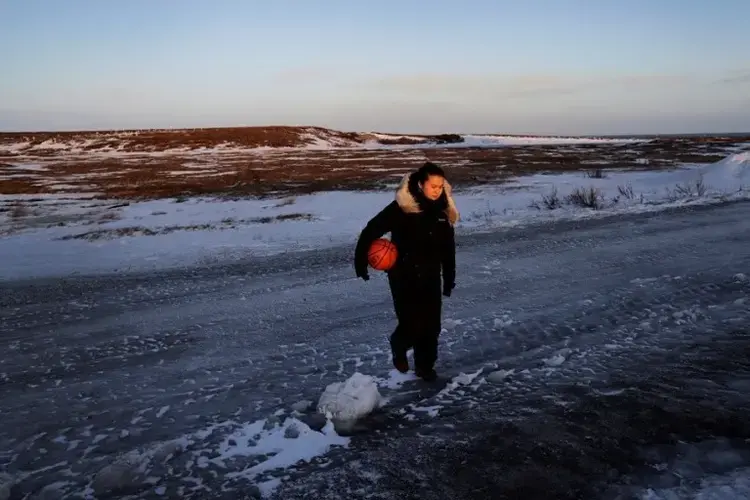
401	339
426	340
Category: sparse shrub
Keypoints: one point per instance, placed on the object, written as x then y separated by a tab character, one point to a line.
552	201
696	188
549	201
586	198
700	186
484	214
626	191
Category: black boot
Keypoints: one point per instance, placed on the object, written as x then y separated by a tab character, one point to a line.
400	345
428	375
401	363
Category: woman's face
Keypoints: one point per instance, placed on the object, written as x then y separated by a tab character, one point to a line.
433	187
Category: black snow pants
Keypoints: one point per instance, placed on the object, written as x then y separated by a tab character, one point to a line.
418	304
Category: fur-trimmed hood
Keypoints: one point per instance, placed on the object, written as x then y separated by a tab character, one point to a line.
410	205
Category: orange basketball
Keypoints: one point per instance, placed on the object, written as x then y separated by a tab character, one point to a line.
382	254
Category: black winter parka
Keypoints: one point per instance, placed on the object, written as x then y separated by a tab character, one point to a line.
423	232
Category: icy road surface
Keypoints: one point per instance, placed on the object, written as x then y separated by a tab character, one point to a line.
600	358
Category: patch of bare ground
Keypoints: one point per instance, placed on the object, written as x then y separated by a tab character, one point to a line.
160	164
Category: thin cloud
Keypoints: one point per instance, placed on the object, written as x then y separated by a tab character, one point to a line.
437	83
512	86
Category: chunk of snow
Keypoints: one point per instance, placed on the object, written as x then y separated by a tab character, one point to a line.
346	402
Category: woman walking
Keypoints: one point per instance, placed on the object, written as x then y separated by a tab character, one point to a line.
420	220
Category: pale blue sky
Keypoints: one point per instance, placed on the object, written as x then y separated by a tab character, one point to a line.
530	66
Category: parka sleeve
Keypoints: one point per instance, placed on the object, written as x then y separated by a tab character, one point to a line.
449	260
376	227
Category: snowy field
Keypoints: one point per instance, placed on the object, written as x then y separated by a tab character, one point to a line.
70	234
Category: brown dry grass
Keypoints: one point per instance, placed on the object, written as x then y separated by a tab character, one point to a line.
148	172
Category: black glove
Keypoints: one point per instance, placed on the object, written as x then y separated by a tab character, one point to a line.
448	288
362	273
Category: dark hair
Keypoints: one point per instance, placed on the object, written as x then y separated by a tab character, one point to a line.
427	170
420	177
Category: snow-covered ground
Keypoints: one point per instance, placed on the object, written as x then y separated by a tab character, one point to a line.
574	354
64	234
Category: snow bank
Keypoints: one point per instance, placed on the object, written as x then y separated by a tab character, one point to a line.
730	173
346	402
